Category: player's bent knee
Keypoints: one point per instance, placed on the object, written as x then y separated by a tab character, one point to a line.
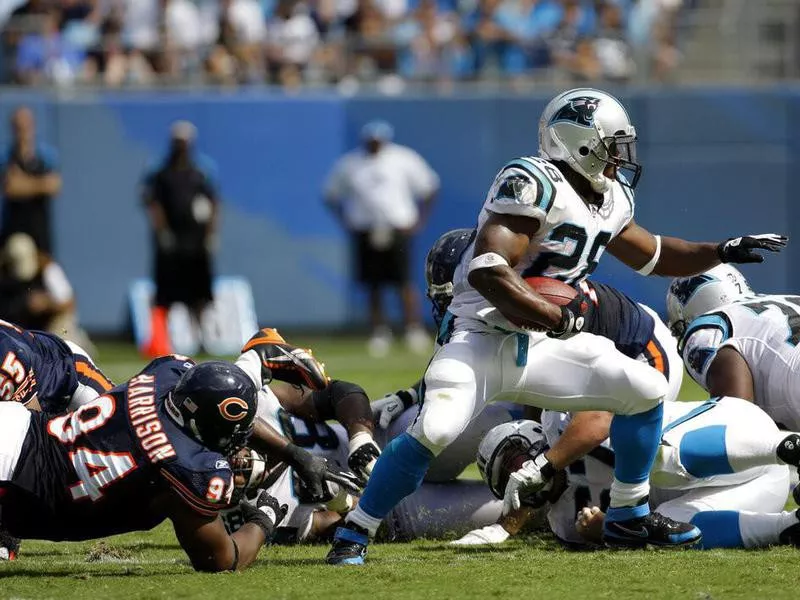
637	387
449	372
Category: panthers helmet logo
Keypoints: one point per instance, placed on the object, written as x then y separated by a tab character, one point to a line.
579	110
683	289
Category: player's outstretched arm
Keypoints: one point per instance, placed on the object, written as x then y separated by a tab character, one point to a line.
674	257
345	402
208	545
585	431
500	245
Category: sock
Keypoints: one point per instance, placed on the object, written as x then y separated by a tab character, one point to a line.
398	473
362	519
635	440
741	529
628	501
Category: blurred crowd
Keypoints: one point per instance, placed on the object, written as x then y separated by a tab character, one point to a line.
346	42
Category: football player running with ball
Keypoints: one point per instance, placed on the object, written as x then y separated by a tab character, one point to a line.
551	216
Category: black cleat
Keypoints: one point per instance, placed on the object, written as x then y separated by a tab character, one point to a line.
789	450
653	529
791	535
349	546
9	546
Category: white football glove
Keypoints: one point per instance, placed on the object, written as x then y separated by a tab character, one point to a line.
526	480
363	455
391	406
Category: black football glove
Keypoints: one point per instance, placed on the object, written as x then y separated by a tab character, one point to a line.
285	362
267	513
576	316
741	249
314	471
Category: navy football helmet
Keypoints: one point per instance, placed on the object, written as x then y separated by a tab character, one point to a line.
440	267
214	403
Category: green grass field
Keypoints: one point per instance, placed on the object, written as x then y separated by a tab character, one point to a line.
151	565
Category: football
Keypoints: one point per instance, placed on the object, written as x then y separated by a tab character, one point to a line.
551	289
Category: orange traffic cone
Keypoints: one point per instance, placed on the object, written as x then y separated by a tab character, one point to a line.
159	344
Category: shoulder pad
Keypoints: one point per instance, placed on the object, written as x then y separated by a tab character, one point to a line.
699	345
522	188
203	480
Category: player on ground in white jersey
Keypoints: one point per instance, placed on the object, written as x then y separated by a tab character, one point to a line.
736	342
550	216
447	507
301	382
720	465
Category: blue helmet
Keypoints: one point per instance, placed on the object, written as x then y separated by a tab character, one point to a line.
440	267
214	403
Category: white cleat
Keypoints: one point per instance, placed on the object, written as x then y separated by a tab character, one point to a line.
491	534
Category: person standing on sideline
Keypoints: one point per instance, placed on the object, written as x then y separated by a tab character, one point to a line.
30	181
382	194
181	200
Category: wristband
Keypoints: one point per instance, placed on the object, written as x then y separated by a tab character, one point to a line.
486	261
648	268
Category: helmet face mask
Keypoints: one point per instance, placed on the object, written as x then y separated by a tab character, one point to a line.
502	445
621	154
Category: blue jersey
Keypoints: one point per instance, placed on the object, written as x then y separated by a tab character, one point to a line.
36	365
104	469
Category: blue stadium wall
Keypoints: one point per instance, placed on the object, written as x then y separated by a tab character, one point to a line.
717	162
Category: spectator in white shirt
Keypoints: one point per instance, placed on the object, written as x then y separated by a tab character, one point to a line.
382	194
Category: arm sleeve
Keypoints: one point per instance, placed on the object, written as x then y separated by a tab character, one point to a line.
521	189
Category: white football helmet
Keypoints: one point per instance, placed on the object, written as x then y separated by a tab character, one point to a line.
504	443
690	297
590	129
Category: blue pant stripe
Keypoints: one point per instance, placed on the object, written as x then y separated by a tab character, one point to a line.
720	529
703	452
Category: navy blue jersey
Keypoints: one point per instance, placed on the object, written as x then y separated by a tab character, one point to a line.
620	319
35	364
104	469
